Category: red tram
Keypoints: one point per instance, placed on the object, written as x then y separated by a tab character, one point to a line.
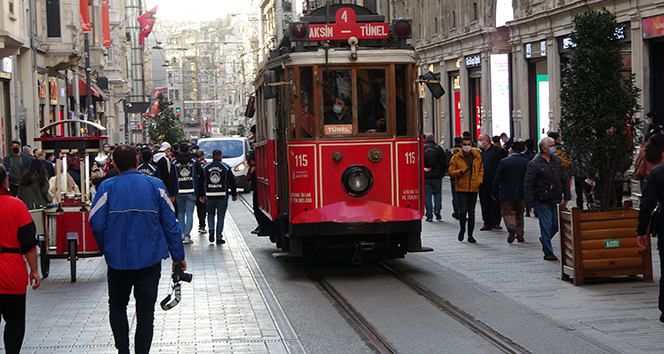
338	138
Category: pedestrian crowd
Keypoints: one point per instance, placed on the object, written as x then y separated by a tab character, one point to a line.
510	178
144	197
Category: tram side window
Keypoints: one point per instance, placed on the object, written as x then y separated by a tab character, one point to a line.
372	97
400	107
337	104
307	109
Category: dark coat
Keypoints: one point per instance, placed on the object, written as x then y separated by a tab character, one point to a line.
508	183
651	195
545	181
25	163
490	159
50	168
438	164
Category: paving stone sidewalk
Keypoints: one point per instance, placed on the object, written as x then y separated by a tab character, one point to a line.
618	312
222	310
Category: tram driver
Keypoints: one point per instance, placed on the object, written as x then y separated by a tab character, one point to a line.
339	113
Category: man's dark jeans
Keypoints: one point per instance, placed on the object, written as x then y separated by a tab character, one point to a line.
467	201
490	207
145	282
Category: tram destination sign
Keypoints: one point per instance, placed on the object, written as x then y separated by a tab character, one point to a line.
346	27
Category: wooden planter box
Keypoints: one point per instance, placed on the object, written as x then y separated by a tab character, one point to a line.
601	244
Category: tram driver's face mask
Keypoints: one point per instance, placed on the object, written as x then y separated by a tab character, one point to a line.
337	109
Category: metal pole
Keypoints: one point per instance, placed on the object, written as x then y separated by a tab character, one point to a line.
88	89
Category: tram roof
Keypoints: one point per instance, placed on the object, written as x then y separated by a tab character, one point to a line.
341	56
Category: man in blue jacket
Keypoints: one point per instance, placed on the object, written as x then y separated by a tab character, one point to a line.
508	187
134	223
218	181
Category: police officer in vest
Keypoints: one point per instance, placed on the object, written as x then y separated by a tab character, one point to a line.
218	181
188	187
147	167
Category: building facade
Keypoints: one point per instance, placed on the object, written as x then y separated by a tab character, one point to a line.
502	71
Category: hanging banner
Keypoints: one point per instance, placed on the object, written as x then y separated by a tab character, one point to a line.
86	27
106	27
146	21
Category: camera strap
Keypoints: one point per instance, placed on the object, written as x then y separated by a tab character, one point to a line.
165	304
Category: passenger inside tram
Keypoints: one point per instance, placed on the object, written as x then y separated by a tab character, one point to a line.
339	112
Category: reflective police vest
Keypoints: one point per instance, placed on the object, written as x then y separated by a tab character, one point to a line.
185	176
147	168
216	183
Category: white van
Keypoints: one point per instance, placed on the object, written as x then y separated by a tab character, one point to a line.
234	152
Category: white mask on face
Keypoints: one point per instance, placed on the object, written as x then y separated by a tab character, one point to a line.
337	109
466	149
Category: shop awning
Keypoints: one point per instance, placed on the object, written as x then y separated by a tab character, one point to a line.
82	89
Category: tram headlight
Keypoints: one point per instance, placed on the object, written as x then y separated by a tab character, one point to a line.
357	180
402	28
299	31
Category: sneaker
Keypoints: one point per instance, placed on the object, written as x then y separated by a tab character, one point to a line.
497	227
520	239
202	231
221	241
511	236
550	257
438	216
257	230
471	239
486	228
211	236
429	220
188	240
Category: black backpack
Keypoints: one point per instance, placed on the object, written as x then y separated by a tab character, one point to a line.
430	157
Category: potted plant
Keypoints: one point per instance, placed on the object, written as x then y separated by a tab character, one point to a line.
598	103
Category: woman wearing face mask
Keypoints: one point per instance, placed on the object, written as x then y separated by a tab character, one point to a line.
339	113
467	170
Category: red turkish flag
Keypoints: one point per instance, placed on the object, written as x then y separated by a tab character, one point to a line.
155	107
146	21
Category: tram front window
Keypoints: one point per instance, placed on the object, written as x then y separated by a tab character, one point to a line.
337	105
372	98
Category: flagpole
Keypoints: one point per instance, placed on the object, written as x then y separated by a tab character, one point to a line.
88	89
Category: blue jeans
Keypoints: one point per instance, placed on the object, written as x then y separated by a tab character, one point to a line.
216	206
186	205
547	212
455	197
432	186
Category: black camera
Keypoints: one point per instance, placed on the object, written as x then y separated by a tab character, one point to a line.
180	275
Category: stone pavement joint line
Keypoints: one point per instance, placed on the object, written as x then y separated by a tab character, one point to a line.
224	309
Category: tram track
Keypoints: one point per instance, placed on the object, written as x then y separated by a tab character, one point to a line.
372	335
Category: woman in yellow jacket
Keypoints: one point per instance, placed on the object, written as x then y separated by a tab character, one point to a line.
467	170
